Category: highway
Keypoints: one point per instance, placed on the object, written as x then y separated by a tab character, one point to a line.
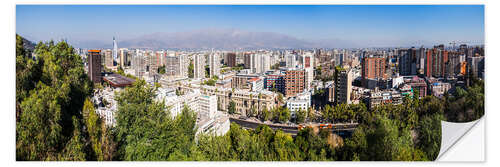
340	127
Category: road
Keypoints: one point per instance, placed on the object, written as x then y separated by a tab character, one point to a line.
341	127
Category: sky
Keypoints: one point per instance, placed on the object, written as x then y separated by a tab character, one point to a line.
364	25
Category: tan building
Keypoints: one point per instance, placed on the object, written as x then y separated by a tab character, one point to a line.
108	58
244	100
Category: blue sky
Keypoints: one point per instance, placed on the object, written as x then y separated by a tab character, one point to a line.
370	25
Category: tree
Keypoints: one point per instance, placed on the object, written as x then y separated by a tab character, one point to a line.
280	98
216	148
265	114
50	91
75	149
191	69
210	82
161	69
145	129
429	138
207	71
39	132
300	116
284	114
232	107
284	147
94	125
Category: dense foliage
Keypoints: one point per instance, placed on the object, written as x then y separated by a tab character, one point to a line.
466	104
191	69
50	91
145	131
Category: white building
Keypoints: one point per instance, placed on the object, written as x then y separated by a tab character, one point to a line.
214	64
199	66
265	61
106	105
207	106
256	84
300	102
308	64
209	119
218	126
183	65
290	61
176	103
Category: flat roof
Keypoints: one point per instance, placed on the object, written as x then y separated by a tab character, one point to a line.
117	80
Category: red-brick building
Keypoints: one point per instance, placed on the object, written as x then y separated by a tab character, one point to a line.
294	82
373	68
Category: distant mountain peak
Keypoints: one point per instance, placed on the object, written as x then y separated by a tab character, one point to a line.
216	38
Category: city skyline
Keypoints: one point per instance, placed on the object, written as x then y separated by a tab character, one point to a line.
334	26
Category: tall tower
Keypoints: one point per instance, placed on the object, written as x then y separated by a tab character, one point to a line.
115	51
213	60
94	61
343	85
199	66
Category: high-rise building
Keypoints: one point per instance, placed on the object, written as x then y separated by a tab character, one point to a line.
123	57
108	58
308	64
339	59
154	61
183	65
248	61
172	66
290	61
231	59
408	62
265	63
94	65
139	63
199	66
115	51
294	81
373	68
476	66
257	62
214	63
435	62
343	84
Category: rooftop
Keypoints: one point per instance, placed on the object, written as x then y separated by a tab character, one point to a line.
117	80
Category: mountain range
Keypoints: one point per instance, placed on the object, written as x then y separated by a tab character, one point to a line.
225	39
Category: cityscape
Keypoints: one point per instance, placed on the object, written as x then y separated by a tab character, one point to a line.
246	101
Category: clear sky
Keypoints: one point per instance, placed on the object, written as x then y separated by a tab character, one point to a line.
370	25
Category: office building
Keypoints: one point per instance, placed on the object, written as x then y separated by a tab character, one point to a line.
199	66
343	85
115	51
214	64
295	81
230	59
94	65
408	61
373	68
290	60
123	57
108	58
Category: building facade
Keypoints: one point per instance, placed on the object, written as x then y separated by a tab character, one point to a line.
94	65
343	85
